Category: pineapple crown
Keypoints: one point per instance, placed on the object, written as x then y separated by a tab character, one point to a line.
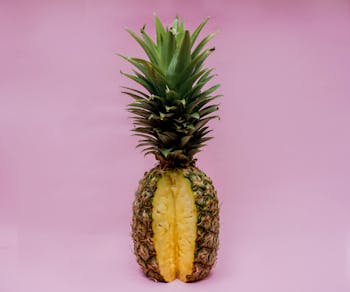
171	112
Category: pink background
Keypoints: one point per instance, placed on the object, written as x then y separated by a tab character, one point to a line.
280	160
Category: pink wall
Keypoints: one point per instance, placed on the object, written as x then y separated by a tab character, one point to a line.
280	160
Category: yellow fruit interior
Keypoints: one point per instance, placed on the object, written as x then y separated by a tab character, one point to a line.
174	225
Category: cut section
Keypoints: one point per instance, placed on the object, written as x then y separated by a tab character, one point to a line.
174	225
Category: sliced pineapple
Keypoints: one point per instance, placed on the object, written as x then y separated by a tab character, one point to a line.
174	225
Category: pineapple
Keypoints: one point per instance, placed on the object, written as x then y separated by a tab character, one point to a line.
175	224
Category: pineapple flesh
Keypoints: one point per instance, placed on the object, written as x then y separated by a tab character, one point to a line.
174	225
175	222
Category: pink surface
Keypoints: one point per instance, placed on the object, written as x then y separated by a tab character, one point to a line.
280	160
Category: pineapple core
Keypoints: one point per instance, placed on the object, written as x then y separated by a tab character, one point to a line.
174	225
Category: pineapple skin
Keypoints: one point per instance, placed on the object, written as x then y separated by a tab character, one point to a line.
207	237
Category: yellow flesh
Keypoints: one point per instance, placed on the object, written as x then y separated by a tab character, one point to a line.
174	225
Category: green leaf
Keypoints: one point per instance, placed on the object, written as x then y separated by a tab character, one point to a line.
140	112
146	142
167	138
192	152
154	86
160	31
151	70
177	29
174	28
208	91
184	140
145	47
190	127
147	137
198	30
144	130
202	43
208	110
151	149
168	49
202	101
138	65
197	146
202	122
146	106
195	92
137	91
134	96
140	81
206	75
165	151
151	152
182	26
203	131
205	139
195	115
150	43
184	54
186	85
194	65
141	122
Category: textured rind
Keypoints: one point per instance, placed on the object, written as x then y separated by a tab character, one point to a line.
142	232
207	241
